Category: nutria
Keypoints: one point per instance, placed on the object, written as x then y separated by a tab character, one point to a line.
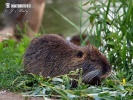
77	39
52	55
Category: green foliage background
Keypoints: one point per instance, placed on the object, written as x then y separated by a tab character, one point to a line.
111	24
108	29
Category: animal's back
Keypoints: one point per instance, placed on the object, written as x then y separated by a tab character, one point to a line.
48	52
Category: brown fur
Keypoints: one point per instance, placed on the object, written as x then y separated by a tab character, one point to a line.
29	22
77	39
51	55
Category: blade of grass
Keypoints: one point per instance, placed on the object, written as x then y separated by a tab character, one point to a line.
70	22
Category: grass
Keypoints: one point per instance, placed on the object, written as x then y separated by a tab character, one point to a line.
110	23
118	86
11	55
60	87
112	34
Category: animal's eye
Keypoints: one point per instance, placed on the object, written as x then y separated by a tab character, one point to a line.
79	54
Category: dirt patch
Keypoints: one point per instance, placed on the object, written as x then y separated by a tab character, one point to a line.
15	96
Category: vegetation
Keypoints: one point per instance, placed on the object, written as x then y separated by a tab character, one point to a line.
11	55
110	28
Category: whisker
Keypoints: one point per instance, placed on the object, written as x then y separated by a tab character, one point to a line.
91	68
89	76
94	76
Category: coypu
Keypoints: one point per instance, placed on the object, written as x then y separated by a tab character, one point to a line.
17	20
52	55
77	39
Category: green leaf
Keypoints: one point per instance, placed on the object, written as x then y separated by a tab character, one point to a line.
37	90
61	92
92	18
57	79
103	94
121	87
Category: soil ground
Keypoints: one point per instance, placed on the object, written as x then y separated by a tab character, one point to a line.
15	96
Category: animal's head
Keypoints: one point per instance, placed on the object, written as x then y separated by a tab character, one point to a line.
94	64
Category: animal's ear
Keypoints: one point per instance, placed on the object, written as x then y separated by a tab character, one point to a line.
90	47
79	54
88	44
